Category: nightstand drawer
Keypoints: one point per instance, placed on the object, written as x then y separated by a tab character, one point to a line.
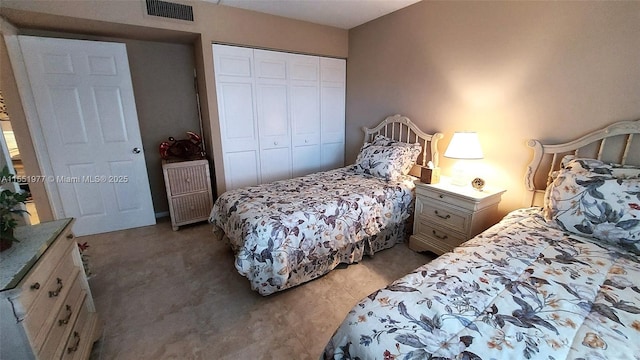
187	179
442	196
191	207
438	234
442	214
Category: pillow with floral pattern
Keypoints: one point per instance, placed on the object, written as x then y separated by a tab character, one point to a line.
387	162
382	140
598	206
587	168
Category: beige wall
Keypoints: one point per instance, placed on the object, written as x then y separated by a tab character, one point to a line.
508	70
212	23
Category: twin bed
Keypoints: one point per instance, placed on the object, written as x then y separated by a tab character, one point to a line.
558	280
291	231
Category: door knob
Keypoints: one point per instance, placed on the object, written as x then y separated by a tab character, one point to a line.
136	150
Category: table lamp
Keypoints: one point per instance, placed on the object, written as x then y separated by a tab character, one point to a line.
464	145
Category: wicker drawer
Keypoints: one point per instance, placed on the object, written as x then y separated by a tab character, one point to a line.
34	283
190	208
41	316
64	320
188	179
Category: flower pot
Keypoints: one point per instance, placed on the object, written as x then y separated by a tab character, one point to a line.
6	239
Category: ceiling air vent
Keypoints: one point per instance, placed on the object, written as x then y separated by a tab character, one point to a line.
169	10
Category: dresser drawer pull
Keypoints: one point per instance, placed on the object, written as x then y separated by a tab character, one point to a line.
35	286
70	236
441	237
56	292
448	216
73	348
65	321
441	196
188	180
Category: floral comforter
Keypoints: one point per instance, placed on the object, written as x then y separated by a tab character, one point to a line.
520	290
291	231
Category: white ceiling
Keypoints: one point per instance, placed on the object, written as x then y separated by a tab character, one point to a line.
344	14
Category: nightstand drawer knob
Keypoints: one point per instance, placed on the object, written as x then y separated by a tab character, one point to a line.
448	216
441	237
441	196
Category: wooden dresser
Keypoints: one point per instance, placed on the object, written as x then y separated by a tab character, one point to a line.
188	185
46	307
447	215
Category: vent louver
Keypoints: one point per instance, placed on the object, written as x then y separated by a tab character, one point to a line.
169	10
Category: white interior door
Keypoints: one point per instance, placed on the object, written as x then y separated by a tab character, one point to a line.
86	110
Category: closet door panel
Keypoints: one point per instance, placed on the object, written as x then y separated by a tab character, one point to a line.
276	164
332	156
241	169
306	160
273	119
332	112
235	88
270	65
305	114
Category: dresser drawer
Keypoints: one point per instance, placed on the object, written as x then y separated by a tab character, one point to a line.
42	314
34	283
442	214
64	321
191	207
81	338
187	179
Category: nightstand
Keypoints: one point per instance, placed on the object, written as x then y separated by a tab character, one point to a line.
188	191
447	215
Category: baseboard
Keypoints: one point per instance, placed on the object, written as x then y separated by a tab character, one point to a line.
162	214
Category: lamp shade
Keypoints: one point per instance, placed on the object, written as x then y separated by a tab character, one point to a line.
464	145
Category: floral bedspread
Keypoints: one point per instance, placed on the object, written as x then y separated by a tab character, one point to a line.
520	290
291	231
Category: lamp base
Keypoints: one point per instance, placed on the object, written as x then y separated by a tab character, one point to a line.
459	176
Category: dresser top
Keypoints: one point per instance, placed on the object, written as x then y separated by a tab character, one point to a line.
16	261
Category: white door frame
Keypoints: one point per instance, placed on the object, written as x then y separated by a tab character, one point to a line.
33	122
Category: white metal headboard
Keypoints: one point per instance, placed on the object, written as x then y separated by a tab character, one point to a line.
400	128
614	143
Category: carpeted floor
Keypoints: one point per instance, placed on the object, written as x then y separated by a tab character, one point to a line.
176	295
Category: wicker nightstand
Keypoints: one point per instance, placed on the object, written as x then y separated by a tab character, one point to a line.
188	187
447	215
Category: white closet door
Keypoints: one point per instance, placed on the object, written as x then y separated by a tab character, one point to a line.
332	113
239	131
304	87
272	112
